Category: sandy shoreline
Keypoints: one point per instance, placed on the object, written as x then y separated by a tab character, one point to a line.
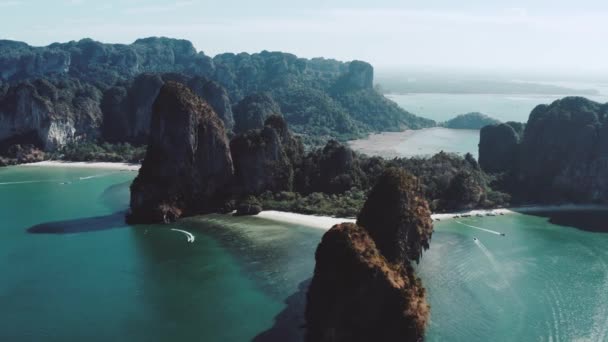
326	222
88	165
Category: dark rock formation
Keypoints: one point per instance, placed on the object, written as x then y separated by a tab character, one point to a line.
187	167
253	110
564	151
49	114
128	109
397	217
217	97
357	295
248	209
261	159
499	146
562	155
470	121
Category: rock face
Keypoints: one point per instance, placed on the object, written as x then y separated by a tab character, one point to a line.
364	287
470	121
357	295
499	146
561	157
564	152
397	217
49	114
128	109
188	168
261	158
253	110
360	75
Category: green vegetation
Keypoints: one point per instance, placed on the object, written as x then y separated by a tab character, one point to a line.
106	152
346	204
470	121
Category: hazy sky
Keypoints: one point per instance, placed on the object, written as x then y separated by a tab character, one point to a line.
542	34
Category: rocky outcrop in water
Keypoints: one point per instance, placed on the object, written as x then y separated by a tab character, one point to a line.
357	295
188	168
364	287
397	216
561	157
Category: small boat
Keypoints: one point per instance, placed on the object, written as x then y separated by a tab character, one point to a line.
474	239
503	234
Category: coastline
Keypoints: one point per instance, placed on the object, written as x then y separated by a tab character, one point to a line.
87	165
326	222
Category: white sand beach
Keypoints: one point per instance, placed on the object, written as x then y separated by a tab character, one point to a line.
326	222
90	165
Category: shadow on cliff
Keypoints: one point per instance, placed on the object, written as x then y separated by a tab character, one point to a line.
289	323
587	220
82	225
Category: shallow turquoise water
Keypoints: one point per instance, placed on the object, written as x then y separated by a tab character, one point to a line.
87	276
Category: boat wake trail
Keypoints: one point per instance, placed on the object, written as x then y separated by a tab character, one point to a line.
29	181
479	228
487	252
189	235
97	176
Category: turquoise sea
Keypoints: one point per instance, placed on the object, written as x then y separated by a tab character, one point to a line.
71	270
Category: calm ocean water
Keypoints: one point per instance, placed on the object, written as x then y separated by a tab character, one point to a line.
71	270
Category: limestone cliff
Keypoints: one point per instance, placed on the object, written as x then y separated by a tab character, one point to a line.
357	295
128	108
49	114
188	167
364	287
499	146
562	156
397	217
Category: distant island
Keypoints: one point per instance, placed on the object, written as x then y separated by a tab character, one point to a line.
470	121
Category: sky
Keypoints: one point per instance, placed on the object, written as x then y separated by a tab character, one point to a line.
519	35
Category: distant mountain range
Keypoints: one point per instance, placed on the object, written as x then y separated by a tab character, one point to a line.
87	91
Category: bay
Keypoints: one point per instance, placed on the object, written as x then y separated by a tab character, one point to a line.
71	270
